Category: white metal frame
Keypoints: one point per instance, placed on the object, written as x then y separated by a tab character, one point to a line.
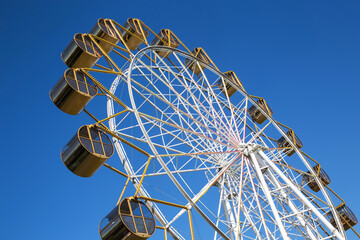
199	117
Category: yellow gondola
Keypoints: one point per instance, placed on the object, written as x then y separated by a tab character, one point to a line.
347	217
131	220
283	143
87	151
166	38
81	52
73	91
193	65
228	87
310	181
105	30
134	33
256	115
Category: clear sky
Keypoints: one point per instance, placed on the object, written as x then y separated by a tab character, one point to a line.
303	57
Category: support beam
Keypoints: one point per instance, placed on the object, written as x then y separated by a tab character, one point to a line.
266	191
290	203
306	202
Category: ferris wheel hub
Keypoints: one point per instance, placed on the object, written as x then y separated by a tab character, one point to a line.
249	148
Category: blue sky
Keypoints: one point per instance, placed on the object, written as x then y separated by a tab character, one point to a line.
303	57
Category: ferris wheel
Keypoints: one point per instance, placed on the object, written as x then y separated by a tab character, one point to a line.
206	158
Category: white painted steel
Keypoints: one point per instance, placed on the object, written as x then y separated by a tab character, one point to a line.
265	188
303	198
173	111
290	203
